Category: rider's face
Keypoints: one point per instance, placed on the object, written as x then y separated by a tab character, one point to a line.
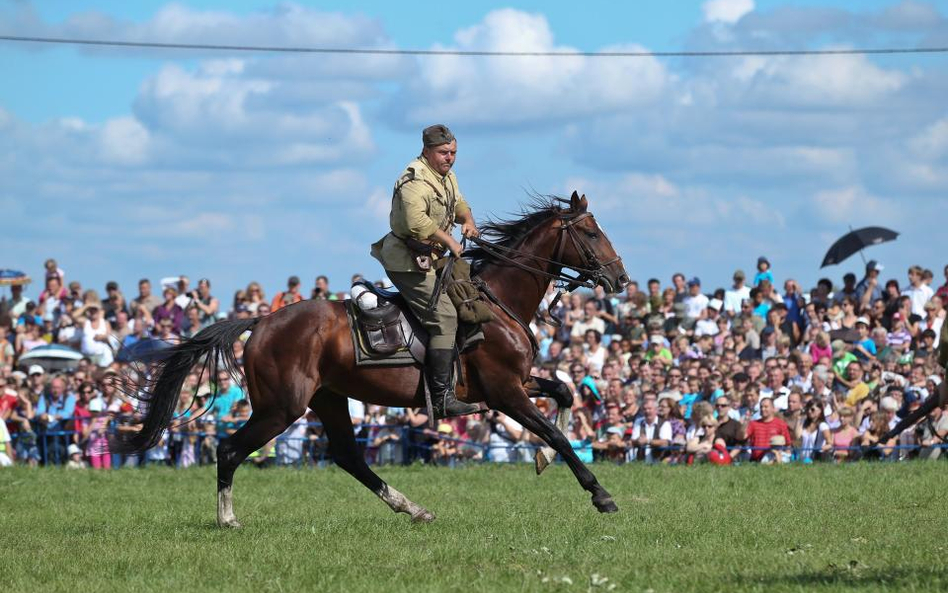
441	158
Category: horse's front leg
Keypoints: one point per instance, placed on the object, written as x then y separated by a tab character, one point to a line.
518	406
563	397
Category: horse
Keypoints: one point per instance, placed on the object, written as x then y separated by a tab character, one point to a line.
302	356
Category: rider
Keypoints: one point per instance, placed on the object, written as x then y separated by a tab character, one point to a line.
426	202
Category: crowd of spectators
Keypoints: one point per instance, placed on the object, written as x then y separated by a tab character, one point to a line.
678	374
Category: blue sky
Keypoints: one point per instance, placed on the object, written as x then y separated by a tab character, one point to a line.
123	164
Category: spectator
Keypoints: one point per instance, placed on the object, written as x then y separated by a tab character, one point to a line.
75	457
255	296
54	411
844	435
169	309
505	434
918	292
758	433
145	298
737	294
813	437
942	291
868	290
670	415
228	394
650	433
203	300
591	319
288	297
695	302
96	436
763	272
321	291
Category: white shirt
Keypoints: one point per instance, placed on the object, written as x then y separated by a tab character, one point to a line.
706	327
664	433
695	305
920	295
733	298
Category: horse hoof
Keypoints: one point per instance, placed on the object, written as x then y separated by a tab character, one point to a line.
229	524
423	517
606	505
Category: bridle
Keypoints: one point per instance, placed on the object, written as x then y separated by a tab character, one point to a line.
591	272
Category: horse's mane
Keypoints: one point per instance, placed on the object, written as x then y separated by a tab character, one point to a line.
509	232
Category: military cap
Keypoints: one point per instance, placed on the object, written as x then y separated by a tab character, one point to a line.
436	135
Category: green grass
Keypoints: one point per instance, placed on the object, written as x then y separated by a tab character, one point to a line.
864	527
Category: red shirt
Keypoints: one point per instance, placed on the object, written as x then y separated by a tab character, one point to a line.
8	401
759	434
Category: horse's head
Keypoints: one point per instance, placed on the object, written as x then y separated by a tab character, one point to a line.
585	248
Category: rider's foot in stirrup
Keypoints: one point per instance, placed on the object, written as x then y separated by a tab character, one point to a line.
451	406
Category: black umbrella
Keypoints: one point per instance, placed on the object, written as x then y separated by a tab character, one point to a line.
857	240
147	350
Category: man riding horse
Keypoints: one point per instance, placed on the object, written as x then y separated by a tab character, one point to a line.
426	203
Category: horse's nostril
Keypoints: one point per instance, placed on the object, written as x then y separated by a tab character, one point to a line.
623	281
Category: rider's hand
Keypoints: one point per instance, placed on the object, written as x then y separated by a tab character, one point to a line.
469	229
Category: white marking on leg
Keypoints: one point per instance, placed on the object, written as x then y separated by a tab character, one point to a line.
546	455
400	503
225	508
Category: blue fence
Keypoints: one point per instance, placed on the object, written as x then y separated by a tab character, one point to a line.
394	445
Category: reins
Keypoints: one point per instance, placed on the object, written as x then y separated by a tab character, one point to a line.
591	272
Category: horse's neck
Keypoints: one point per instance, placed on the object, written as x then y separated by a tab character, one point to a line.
521	290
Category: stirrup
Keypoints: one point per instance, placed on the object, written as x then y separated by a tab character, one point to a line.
450	406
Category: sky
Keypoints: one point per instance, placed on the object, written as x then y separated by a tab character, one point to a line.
128	163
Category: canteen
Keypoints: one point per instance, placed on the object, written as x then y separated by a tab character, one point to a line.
363	297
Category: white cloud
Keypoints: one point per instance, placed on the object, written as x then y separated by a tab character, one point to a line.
521	90
124	141
726	11
825	80
932	143
852	205
643	199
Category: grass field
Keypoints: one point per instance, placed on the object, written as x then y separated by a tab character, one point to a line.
795	528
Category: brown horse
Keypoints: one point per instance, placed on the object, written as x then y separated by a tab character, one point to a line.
302	356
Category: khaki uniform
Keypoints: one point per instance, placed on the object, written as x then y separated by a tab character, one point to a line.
423	201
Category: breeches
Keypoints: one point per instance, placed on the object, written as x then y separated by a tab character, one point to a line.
442	322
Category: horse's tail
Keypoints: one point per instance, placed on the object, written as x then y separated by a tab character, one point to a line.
160	377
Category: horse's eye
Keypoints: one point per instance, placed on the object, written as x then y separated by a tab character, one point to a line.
592	235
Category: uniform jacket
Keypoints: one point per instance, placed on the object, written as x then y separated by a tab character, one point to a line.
422	202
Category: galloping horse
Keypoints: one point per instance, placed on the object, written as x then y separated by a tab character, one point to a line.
302	356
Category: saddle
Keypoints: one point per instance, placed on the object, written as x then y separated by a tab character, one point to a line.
387	334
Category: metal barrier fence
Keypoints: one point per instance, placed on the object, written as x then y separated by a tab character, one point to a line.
401	445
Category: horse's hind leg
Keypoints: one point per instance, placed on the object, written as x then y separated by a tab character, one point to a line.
333	412
264	424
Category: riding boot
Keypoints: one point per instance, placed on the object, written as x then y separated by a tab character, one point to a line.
438	366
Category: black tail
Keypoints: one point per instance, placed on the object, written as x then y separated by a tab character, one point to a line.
159	383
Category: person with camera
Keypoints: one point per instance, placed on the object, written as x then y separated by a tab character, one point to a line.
205	302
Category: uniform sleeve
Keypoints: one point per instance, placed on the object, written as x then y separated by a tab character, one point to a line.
410	210
461	206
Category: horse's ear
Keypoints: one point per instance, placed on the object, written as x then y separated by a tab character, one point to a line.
574	202
583	204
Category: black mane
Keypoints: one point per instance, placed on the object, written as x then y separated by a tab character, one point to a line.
509	232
